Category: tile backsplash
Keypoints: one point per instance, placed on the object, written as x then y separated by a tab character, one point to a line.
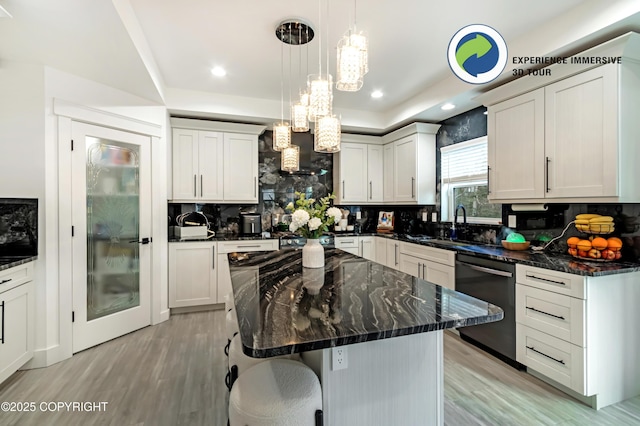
18	227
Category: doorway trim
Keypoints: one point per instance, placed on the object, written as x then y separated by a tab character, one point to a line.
66	112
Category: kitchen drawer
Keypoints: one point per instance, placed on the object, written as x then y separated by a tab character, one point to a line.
446	257
248	245
554	358
555	281
13	277
556	314
346	242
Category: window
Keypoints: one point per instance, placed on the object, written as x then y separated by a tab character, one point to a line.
464	182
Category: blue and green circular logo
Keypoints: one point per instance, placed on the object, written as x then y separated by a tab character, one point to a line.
477	54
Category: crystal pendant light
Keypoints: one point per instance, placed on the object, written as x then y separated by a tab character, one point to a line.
352	60
290	159
320	86
327	134
281	130
300	110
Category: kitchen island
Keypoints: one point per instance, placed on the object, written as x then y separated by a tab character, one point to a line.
387	323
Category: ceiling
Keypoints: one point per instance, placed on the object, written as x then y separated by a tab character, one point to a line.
163	50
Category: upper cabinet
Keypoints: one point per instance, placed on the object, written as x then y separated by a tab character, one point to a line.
214	162
573	139
358	174
410	177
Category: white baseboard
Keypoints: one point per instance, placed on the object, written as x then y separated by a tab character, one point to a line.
46	357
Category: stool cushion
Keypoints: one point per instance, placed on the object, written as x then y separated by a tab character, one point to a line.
278	392
238	358
231	324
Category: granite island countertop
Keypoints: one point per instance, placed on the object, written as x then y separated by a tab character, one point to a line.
284	308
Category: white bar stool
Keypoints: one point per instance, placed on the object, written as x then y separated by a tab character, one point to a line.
239	362
276	392
231	327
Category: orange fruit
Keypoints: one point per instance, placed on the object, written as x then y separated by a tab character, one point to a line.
572	242
614	243
599	243
584	245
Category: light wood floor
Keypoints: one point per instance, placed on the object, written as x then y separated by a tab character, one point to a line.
172	374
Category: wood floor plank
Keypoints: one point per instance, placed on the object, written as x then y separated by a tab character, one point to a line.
173	374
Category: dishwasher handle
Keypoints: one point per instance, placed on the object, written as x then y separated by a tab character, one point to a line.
487	270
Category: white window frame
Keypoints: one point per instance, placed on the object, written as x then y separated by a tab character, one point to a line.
447	207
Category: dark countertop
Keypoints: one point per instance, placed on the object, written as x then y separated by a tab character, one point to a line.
220	237
284	308
7	262
544	259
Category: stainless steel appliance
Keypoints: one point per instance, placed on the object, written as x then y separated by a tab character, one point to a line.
250	224
296	241
495	282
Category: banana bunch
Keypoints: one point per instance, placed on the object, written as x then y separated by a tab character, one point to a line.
594	223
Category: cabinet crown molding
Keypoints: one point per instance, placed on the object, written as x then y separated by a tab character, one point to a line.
627	46
411	129
217	126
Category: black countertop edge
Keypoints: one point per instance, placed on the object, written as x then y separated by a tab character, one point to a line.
221	237
10	263
361	338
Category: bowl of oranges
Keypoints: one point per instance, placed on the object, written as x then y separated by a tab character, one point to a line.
595	248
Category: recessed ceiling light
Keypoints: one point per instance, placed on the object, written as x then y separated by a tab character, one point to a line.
218	71
447	107
376	94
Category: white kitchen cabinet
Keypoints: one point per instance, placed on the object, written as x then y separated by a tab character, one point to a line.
388	167
575	332
388	252
192	274
241	168
368	248
240	246
429	263
349	244
197	165
214	162
17	304
573	139
413	166
516	143
358	173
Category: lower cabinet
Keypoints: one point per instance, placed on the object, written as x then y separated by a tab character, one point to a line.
577	332
193	274
17	306
368	248
363	246
429	263
348	244
387	252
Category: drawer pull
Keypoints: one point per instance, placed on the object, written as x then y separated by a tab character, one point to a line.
559	361
546	313
249	246
347	242
2	339
545	279
6	281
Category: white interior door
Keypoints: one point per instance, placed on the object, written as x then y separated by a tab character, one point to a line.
111	216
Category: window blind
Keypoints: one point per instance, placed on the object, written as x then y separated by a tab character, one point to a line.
464	161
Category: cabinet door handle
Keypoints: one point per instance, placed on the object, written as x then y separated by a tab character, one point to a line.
362	248
395	254
419	264
201	186
546	174
559	361
195	185
370	190
545	313
533	277
2	339
424	277
488	181
255	186
343	192
213	258
413	188
6	281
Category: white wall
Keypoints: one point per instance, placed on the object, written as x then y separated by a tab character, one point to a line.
29	169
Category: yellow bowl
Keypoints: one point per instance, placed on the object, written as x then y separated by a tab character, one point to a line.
516	246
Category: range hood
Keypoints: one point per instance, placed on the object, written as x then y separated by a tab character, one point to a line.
311	162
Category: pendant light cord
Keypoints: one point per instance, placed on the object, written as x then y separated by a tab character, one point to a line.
281	76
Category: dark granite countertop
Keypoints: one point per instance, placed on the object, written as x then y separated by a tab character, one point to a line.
540	259
7	262
221	237
285	308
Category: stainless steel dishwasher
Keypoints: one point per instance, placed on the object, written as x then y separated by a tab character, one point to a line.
494	282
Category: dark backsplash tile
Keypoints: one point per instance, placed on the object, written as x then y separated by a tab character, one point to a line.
18	227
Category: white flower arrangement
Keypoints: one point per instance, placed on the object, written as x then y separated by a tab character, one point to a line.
311	219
